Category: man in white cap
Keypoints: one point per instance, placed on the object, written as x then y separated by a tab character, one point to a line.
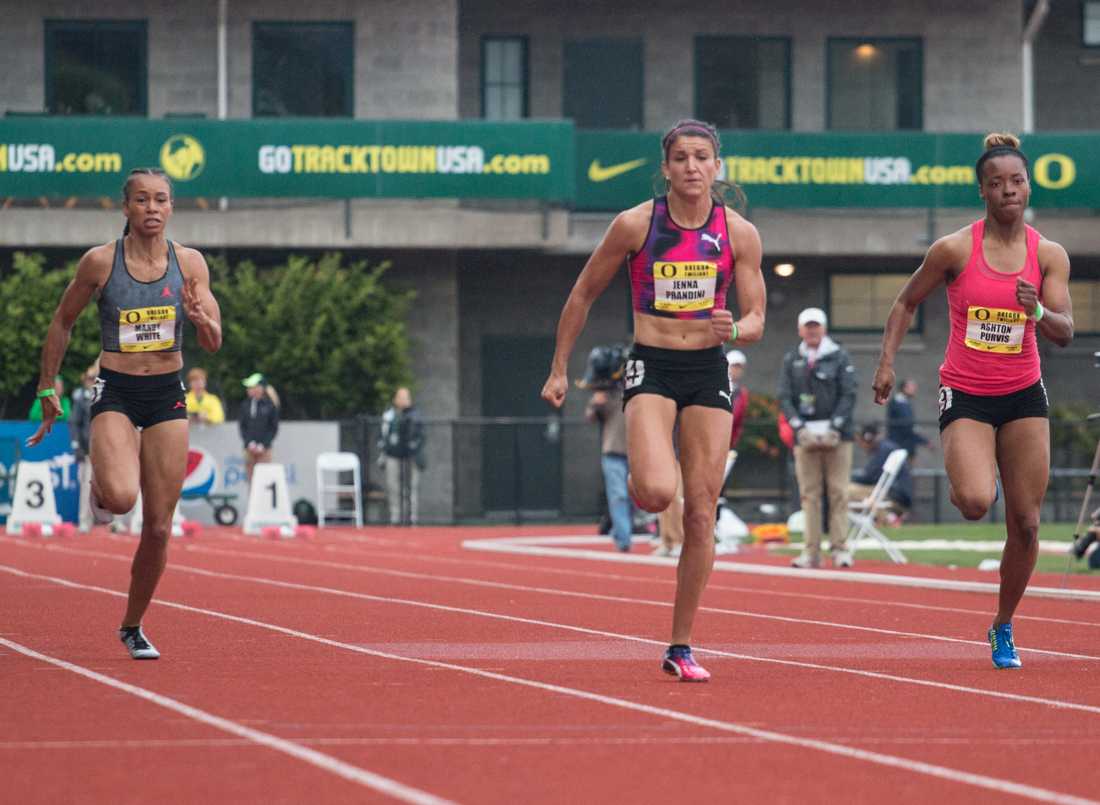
817	395
739	395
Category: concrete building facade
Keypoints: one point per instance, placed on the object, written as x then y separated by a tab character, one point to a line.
489	273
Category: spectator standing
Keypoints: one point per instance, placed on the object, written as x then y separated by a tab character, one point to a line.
901	421
258	421
739	393
80	432
605	406
203	407
402	457
817	395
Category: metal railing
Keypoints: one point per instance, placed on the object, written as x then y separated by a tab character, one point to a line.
526	469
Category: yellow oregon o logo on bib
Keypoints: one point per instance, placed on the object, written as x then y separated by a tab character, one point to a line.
182	157
1067	171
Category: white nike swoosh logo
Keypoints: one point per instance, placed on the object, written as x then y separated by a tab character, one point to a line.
598	173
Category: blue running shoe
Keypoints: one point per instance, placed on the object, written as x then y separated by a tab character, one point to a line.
1004	650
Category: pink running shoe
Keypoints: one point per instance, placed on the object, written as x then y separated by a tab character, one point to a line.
679	662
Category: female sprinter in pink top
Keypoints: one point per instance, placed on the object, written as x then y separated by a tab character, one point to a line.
684	249
1005	283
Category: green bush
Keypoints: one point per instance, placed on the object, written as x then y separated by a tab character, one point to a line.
760	436
29	295
328	335
1073	439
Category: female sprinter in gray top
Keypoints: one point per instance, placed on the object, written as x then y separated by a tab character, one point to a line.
145	284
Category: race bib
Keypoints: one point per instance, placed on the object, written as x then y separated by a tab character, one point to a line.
635	373
684	286
991	329
147	329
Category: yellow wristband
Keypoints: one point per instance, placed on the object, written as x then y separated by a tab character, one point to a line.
1037	315
44	393
736	332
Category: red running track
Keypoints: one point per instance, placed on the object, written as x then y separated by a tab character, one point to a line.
396	665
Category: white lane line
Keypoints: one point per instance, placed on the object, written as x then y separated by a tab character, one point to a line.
575	573
995	694
591	574
529	546
570	594
375	782
878	758
549	740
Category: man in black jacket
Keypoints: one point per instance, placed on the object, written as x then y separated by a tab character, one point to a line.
817	395
401	455
258	421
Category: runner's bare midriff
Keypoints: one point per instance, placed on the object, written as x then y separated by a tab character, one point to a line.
148	363
657	331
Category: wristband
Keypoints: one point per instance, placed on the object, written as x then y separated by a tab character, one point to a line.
733	336
44	393
1038	314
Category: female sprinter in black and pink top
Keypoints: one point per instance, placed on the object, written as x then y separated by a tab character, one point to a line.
1006	284
684	251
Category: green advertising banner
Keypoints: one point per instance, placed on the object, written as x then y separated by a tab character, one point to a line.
65	156
616	170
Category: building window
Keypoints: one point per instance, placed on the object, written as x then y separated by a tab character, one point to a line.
1090	18
743	82
1086	306
591	66
504	77
875	84
303	69
96	67
861	302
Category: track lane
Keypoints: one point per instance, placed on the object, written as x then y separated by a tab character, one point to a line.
411	626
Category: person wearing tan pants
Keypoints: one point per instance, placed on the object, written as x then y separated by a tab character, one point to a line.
817	395
819	469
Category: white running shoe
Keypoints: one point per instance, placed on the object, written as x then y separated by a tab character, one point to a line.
806	560
138	645
100	515
843	559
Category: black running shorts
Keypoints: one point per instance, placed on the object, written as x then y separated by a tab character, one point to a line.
997	410
687	376
146	399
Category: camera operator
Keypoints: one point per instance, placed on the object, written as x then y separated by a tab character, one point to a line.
604	375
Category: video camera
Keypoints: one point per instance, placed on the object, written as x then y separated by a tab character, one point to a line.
605	367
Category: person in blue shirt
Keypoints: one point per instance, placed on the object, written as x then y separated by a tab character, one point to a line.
900	419
878	448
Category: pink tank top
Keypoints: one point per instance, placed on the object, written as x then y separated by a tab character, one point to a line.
991	348
682	273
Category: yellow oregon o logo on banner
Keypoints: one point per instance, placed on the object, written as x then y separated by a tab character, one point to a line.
182	157
1067	171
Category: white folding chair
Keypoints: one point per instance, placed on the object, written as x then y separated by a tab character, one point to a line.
330	491
861	513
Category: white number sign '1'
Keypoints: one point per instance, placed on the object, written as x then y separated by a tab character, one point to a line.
269	501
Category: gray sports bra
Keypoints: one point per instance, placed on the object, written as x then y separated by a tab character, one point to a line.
137	316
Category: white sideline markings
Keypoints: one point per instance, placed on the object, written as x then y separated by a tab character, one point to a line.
500	585
879	758
671	582
536	546
591	574
541	590
369	779
1055	703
